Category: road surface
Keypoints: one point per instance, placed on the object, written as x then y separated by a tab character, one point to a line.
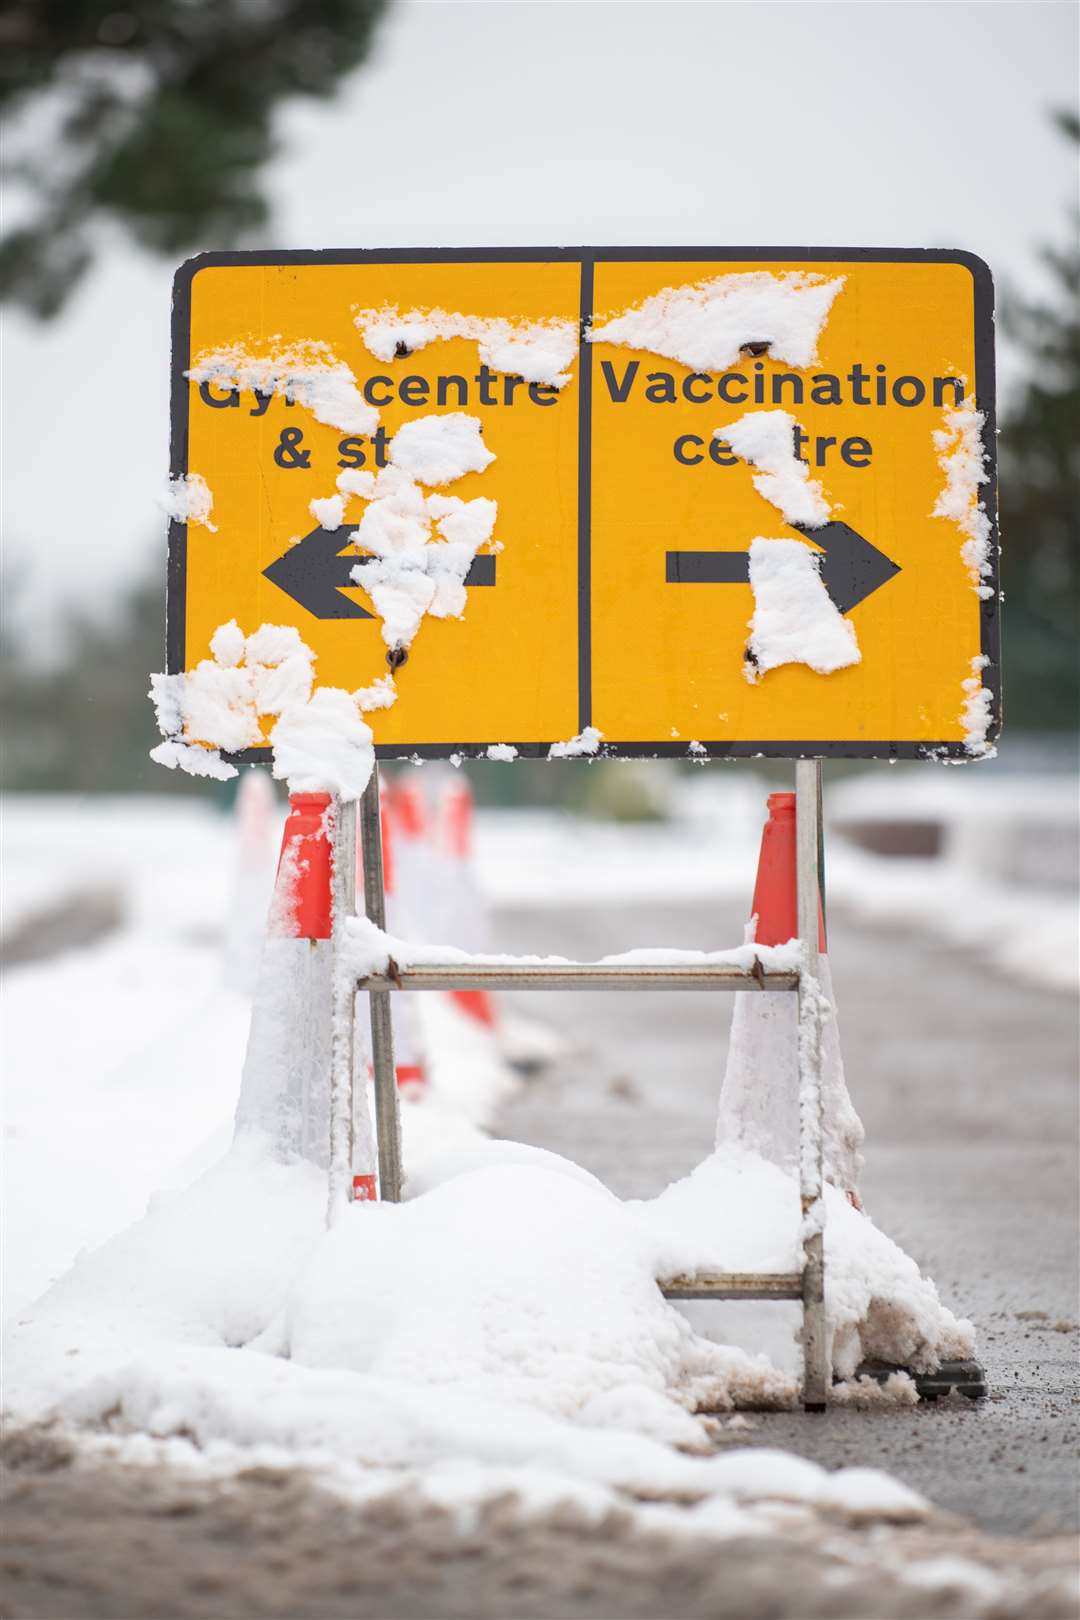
966	1084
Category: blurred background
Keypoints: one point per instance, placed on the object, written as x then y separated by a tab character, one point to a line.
140	134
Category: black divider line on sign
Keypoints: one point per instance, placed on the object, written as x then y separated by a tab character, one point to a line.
585	498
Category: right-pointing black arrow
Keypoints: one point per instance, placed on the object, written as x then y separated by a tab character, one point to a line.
851	568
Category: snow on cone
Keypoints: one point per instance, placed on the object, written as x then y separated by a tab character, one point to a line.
285	1088
759	1100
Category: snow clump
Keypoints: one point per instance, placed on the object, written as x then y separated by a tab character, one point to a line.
439	449
192	760
321	744
381	694
977	711
963	460
705	324
306	372
766	439
585	743
328	512
537	351
410	570
187	499
501	751
795	620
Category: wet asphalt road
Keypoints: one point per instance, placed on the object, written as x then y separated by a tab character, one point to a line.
967	1087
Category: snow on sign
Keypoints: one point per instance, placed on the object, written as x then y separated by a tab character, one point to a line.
637	501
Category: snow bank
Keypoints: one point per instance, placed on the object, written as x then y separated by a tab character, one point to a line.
705	324
538	351
795	619
963	460
392	1301
512	1284
308	373
415	1337
739	1212
206	1266
766	439
144	1059
187	499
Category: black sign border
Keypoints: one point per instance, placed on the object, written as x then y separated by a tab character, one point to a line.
588	258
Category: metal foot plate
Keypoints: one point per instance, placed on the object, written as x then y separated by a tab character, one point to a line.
965	1377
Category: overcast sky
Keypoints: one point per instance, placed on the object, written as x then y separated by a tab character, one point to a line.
879	124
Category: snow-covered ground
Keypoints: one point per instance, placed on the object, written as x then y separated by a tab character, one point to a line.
123	1064
123	1060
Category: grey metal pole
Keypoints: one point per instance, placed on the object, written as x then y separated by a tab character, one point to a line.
821	854
342	1079
807	788
387	1115
816	1358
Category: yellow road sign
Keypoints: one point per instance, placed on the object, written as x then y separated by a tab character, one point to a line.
742	502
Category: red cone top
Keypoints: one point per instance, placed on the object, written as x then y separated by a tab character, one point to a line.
310	905
775	904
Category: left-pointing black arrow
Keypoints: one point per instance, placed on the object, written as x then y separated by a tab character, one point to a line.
312	570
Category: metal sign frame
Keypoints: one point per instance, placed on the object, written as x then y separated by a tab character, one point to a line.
807	1284
588	258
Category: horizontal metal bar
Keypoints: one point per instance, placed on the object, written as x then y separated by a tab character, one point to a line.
578	976
736	1285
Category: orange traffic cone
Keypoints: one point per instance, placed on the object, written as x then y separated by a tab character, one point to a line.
303	902
285	1089
759	1106
775	903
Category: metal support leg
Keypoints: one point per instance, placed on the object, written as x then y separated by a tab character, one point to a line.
821	857
342	1079
387	1115
811	1169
